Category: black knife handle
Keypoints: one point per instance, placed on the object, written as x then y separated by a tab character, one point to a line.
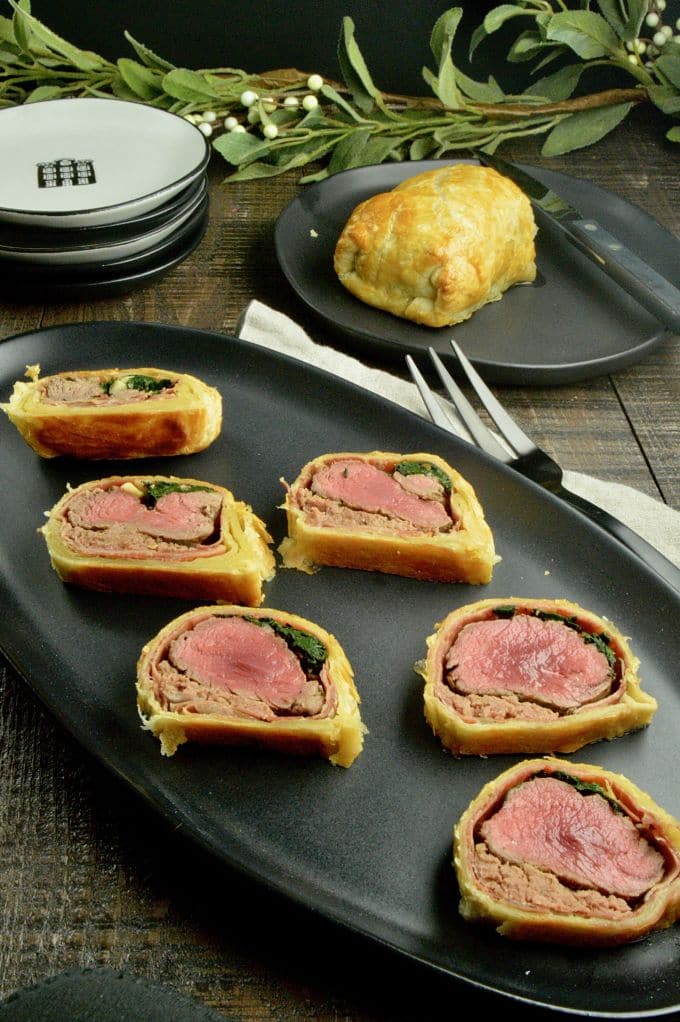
640	281
635	543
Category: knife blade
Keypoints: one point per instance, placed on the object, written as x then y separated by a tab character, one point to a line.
649	288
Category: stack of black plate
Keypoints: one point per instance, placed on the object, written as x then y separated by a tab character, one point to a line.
96	196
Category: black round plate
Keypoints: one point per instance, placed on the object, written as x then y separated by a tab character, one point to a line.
27	238
116	279
573	324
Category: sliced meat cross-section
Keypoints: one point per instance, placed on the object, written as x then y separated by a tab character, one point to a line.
545	661
548	823
364	487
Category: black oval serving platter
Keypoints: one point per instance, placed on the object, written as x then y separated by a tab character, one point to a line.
368	847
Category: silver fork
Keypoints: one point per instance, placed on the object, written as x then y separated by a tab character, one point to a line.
522	454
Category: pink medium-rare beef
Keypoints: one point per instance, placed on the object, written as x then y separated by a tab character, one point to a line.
182	517
233	667
543	661
364	487
581	839
232	653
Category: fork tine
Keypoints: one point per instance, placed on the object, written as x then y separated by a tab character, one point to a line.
509	429
436	412
482	436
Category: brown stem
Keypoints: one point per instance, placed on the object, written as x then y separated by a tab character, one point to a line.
609	97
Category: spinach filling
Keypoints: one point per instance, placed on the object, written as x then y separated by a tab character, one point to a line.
158	489
311	651
147	384
424	468
601	640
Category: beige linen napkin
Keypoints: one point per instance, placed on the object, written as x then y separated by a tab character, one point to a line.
655	521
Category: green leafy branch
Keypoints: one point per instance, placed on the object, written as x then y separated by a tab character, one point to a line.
268	123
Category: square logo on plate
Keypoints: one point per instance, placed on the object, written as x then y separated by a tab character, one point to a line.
65	173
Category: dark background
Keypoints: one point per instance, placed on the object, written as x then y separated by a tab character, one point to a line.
393	34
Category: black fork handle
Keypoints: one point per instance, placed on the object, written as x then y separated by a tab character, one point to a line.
639	546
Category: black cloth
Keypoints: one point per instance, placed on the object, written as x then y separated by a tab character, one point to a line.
102	995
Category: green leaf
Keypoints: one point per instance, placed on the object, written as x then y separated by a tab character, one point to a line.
499	15
669	66
494	20
443	33
673	135
355	73
481	92
21	29
10	56
147	56
585	32
525	47
584	128
331	94
444	85
145	83
237	146
421	148
557	86
665	98
120	90
26	26
476	38
7	31
43	92
187	85
626	28
347	153
361	150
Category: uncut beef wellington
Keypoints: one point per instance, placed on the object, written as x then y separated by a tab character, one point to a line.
403	514
568	853
115	413
160	536
439	245
250	677
529	675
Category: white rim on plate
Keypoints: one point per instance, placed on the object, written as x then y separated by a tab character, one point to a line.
77	162
104	253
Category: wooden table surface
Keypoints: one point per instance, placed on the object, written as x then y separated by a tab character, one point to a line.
88	877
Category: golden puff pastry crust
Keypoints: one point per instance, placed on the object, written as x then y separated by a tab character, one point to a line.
160	536
482	695
439	245
567	853
402	514
305	702
115	413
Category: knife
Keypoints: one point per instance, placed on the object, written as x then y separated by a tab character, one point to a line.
654	292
